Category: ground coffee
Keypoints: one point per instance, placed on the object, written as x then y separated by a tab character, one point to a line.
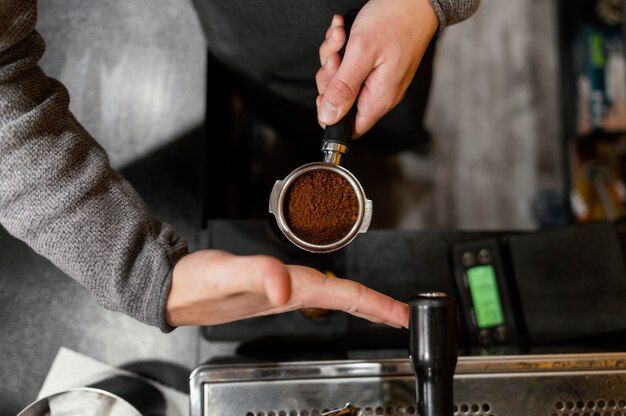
321	207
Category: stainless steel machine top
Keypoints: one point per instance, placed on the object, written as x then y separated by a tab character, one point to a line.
551	385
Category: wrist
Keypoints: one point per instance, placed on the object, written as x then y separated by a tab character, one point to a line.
186	289
430	15
439	14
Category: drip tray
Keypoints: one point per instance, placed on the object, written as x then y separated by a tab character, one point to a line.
551	385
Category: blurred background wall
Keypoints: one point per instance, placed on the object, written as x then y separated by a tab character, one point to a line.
494	111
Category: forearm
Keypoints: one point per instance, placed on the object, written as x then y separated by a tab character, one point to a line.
59	194
454	11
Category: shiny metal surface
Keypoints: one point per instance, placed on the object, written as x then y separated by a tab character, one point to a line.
334	152
277	202
432	294
509	385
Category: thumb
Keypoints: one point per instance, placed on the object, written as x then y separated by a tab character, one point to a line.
344	87
230	275
263	275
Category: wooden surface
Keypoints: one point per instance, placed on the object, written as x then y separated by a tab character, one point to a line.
495	115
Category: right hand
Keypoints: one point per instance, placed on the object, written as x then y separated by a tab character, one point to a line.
386	45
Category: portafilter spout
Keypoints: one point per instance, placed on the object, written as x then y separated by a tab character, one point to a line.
433	351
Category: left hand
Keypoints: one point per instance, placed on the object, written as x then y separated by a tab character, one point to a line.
387	42
211	287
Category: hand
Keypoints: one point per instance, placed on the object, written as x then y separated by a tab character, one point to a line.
212	287
387	42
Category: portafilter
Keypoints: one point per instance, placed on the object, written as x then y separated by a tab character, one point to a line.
335	145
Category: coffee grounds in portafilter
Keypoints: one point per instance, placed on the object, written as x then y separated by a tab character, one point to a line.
321	207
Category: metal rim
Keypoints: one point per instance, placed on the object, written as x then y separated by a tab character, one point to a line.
466	366
432	294
280	212
43	402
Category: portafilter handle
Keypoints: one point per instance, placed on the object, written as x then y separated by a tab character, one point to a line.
337	137
433	351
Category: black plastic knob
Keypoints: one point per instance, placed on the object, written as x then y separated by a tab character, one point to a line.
342	131
433	351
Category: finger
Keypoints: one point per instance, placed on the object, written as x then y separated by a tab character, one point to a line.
333	44
381	92
337	21
277	286
346	295
318	100
326	73
344	87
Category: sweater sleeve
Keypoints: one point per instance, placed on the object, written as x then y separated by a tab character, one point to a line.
454	11
59	194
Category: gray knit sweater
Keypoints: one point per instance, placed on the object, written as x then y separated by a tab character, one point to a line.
59	194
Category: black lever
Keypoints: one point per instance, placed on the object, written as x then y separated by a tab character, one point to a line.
433	351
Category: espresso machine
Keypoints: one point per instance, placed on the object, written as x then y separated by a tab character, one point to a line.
539	318
433	357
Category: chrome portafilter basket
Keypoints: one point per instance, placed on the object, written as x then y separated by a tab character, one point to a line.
278	202
335	145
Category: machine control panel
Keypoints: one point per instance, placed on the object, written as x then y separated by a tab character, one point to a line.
485	297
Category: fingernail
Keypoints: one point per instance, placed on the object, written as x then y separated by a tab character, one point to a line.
328	113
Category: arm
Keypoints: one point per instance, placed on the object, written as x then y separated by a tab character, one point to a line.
386	45
59	194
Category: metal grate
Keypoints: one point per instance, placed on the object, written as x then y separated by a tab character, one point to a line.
599	407
463	409
474	409
365	411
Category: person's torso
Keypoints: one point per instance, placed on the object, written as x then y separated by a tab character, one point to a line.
274	41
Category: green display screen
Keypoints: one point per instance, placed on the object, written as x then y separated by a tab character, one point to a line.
484	291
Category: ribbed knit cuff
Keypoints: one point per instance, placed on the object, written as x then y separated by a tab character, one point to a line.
156	312
160	313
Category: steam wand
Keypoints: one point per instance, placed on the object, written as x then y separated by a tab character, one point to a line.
433	351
